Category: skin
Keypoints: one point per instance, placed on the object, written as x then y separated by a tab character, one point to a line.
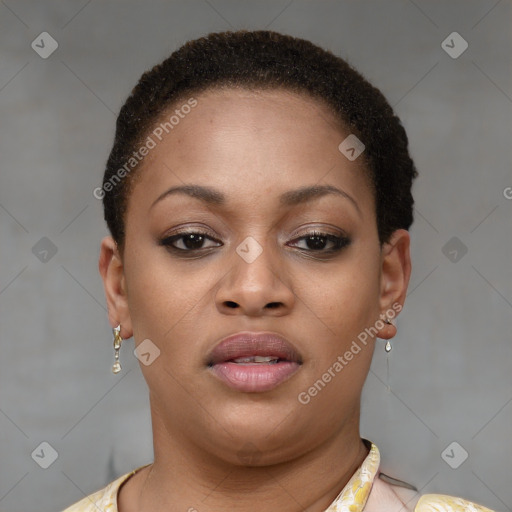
252	146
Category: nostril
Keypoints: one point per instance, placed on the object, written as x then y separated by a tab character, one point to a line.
231	304
273	305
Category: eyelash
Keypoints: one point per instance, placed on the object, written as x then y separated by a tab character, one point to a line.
339	242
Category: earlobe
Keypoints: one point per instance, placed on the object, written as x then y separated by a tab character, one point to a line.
395	275
111	269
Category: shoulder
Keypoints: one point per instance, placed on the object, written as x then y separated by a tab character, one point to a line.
104	499
386	497
444	503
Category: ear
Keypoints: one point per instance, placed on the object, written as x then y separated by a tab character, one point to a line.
111	268
394	277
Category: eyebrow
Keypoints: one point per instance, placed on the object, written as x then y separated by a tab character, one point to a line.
295	197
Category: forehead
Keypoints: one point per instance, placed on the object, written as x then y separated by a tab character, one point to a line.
250	143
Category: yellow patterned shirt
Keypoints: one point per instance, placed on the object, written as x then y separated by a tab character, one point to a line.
362	492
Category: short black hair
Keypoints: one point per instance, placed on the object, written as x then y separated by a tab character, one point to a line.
262	60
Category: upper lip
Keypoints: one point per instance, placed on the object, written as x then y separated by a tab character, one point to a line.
247	344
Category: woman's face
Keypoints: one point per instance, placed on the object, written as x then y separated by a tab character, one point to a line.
271	176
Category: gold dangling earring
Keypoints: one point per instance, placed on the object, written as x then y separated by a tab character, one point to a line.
116	367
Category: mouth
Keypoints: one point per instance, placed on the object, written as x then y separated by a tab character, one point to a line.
254	361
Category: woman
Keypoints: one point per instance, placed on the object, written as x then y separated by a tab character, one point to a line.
258	195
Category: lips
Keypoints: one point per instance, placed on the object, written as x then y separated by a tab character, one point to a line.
252	344
254	361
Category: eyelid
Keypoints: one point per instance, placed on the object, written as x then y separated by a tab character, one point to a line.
320	228
199	229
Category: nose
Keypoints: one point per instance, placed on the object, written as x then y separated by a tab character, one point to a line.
255	286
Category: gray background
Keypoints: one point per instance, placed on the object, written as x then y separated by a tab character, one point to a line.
449	375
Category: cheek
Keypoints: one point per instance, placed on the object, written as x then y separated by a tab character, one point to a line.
170	303
347	297
159	293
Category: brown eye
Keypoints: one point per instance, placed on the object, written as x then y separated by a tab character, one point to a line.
317	242
188	242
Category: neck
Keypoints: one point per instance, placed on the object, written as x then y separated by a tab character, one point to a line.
185	477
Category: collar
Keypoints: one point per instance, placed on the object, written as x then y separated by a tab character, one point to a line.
354	495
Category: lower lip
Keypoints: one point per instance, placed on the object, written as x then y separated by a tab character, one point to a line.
254	378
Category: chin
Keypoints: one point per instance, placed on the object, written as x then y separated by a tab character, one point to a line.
267	426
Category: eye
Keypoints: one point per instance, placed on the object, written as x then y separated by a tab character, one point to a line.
317	241
188	241
194	241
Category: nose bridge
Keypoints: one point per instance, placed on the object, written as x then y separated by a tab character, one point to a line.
254	279
254	262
